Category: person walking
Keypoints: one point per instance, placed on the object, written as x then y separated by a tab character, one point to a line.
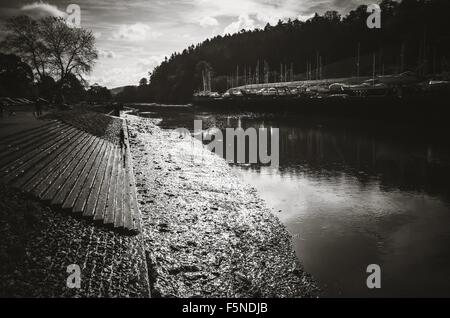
38	107
123	145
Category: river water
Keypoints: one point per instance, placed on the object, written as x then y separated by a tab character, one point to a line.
353	194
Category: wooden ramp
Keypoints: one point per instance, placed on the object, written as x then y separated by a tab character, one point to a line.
74	170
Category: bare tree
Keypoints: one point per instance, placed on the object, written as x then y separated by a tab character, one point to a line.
71	50
24	40
51	47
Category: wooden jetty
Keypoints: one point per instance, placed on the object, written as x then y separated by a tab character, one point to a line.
74	170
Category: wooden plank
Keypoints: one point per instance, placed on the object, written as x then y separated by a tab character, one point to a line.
28	140
127	213
111	201
131	213
31	167
41	159
19	145
120	191
81	201
75	173
17	158
53	161
91	203
7	139
103	194
136	217
68	167
69	202
135	226
16	152
29	153
53	165
27	134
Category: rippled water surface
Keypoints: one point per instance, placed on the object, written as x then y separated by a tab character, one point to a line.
354	194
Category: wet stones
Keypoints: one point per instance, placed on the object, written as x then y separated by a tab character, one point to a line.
204	225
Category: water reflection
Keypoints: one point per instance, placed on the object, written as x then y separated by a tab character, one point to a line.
325	153
353	198
354	195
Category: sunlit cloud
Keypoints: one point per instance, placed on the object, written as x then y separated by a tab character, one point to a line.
150	62
135	32
42	9
244	22
114	74
208	22
106	54
305	17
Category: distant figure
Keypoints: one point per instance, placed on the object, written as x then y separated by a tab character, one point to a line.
122	145
117	108
122	139
1	109
38	107
59	101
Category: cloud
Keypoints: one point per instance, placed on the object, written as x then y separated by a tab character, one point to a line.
148	64
265	11
131	28
114	77
208	22
42	9
135	32
243	22
124	71
106	54
305	17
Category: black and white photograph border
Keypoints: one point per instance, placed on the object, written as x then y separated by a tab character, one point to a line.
248	150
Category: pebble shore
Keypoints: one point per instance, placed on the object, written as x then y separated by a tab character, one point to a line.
206	233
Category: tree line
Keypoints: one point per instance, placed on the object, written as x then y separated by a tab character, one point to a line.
414	36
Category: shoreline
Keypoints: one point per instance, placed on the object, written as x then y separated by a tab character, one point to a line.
205	232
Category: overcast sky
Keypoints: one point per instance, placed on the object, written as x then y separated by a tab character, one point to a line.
133	36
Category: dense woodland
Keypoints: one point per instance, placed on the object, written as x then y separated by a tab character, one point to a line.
414	35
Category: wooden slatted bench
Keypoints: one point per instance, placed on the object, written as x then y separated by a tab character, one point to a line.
75	171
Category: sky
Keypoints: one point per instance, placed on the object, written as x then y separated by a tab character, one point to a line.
134	36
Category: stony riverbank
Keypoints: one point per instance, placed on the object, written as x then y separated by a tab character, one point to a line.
206	234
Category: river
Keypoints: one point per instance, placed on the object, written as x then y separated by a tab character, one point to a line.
353	194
